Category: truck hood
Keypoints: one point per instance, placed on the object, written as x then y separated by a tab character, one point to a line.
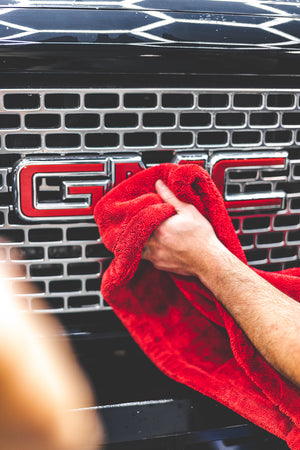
276	8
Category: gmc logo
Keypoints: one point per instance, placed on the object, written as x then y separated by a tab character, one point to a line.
69	188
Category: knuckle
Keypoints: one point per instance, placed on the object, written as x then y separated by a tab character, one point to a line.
163	235
160	231
189	207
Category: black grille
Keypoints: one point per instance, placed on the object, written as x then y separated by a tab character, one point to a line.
67	259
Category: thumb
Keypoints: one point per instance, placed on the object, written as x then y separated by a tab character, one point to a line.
167	195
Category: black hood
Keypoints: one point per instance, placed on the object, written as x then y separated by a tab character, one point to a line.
277	8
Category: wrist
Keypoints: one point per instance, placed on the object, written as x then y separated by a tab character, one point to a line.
215	259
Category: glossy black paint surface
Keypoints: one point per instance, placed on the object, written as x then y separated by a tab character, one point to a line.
259	7
149	29
85	61
139	42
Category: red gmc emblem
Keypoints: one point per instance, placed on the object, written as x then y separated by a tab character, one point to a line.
69	188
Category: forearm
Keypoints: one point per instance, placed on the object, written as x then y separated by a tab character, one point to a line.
186	244
270	319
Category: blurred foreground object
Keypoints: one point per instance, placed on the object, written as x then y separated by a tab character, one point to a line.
40	382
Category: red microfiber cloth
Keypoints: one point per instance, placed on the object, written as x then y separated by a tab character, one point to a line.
176	320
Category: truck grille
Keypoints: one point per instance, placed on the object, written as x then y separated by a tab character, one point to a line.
66	259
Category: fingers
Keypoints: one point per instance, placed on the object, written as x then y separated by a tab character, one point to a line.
168	196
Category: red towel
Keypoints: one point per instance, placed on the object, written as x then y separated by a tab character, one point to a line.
175	319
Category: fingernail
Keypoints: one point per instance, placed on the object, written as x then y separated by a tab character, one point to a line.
160	183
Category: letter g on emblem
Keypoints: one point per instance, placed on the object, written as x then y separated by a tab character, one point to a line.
59	189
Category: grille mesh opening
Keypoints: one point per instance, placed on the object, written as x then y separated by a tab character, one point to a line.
140	139
9	121
42	121
83	234
256	223
243	175
176	139
121	120
278	137
21	101
23	141
291	119
258	187
270	267
140	100
62	101
263	119
213	100
177	100
233	189
96	251
45	235
246	240
64	251
284	253
63	140
65	286
279	101
248	100
297	171
286	221
295	204
291	188
79	301
256	256
46	270
245	137
82	120
5	198
291	264
294	236
212	138
160	120
275	173
83	268
270	238
102	140
230	119
93	285
195	120
101	101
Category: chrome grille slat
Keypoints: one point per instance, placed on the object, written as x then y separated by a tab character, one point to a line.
195	120
244	135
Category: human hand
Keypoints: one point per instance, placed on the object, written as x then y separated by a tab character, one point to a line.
40	382
186	243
